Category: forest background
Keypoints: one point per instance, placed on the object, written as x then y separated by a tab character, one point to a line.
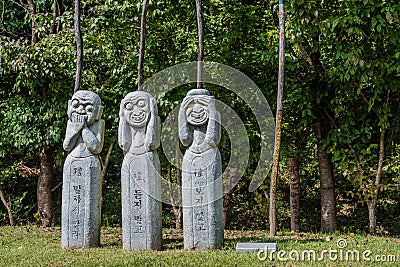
341	122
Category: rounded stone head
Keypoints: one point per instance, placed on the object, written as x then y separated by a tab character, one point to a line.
85	106
197	106
136	108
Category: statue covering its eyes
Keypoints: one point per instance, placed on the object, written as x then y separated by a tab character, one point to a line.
200	130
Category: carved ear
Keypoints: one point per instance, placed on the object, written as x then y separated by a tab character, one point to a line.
124	131
99	112
152	129
69	109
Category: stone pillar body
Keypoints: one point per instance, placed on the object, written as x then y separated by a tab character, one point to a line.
81	193
139	137
202	188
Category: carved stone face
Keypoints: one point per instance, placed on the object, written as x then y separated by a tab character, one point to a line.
84	106
137	110
197	112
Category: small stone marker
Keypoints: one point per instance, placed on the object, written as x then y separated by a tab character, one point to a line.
202	189
81	193
249	247
139	137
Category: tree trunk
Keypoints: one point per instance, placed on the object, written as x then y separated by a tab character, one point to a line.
200	35
371	216
327	185
278	129
177	209
178	218
44	199
32	14
8	207
294	194
232	178
79	45
372	203
142	44
54	27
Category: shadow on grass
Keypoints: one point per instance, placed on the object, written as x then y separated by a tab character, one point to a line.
173	239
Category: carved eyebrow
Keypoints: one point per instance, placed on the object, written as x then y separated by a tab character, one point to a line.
134	100
84	101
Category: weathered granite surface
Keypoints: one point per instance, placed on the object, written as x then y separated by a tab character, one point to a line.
139	137
81	193
202	187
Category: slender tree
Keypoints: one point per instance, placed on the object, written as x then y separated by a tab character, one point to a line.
278	130
45	180
142	47
200	34
79	45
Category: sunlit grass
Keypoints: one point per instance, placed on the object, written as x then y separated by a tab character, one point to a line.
32	246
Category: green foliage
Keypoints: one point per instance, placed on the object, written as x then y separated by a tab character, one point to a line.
342	58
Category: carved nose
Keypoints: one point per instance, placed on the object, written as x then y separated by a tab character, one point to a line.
197	108
136	111
81	109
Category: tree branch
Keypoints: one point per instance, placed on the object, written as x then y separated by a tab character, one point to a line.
3	12
105	164
10	34
20	5
8	207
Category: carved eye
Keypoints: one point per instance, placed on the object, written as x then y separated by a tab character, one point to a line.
129	106
141	103
75	103
89	108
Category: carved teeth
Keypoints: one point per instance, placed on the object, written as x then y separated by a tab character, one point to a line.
138	117
198	115
76	117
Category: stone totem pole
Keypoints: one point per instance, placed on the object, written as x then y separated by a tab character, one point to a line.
202	188
81	193
139	137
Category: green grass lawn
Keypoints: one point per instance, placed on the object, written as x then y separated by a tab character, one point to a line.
32	246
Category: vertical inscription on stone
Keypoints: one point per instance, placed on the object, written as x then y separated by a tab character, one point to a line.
77	205
200	199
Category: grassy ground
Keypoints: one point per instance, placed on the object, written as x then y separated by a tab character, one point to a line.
32	246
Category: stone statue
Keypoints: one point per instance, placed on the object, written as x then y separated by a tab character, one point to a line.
81	193
139	137
202	188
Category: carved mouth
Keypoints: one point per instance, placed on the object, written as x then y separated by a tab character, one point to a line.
138	118
198	117
78	117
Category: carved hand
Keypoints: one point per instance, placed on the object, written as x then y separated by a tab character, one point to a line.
93	144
